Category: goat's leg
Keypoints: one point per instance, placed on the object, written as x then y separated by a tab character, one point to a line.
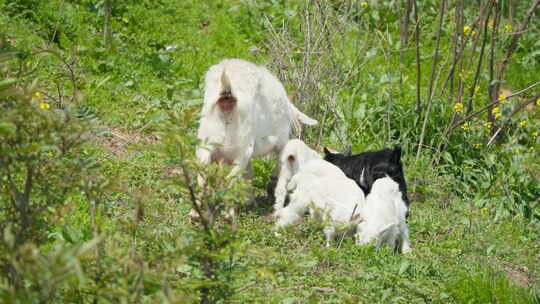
239	165
272	183
330	233
204	156
248	175
405	243
281	188
285	217
295	209
242	161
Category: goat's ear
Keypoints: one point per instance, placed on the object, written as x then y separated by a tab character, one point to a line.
348	151
326	151
396	154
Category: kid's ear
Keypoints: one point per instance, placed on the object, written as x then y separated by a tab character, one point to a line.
327	151
396	154
348	151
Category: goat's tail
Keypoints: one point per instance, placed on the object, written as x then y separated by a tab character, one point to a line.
299	117
225	82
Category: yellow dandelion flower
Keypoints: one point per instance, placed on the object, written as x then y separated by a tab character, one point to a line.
531	149
466	30
364	3
508	28
44	105
465	126
496	112
522	123
484	211
458	108
37	94
502	98
534	134
478	145
488	124
518	150
538	102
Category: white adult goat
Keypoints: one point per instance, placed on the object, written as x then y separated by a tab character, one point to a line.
383	217
246	113
294	156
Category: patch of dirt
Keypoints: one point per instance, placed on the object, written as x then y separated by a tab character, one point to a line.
116	141
261	205
518	275
170	171
416	196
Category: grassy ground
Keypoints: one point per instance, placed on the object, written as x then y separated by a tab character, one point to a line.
154	62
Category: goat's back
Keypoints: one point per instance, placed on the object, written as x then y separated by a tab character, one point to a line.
313	170
296	154
336	197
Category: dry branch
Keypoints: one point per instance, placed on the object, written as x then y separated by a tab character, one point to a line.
514	112
430	94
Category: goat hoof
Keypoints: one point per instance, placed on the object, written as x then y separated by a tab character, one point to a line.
194	215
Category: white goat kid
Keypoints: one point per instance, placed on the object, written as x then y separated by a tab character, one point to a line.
331	197
246	113
312	170
383	217
293	157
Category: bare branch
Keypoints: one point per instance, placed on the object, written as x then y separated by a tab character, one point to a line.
514	112
430	96
417	45
192	196
475	113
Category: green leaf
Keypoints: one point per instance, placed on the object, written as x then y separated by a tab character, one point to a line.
308	264
404	267
7	128
7	82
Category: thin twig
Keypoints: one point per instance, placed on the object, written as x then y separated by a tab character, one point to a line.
430	96
475	113
417	45
128	141
514	112
480	59
350	219
493	91
513	43
192	196
245	287
524	90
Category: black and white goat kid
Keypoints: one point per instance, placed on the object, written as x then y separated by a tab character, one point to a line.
365	168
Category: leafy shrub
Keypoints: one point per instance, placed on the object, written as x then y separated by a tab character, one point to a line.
487	286
42	163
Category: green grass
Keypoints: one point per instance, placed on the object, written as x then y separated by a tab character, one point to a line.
474	218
